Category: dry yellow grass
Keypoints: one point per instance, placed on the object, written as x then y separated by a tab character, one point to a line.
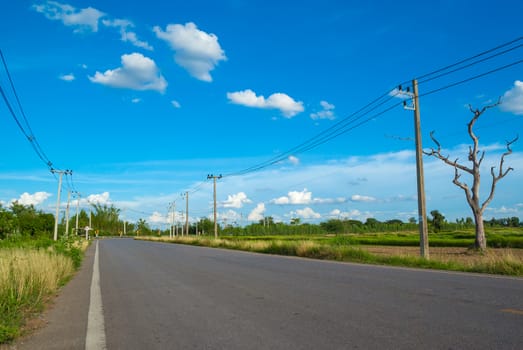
464	256
31	274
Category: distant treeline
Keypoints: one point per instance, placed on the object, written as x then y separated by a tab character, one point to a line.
27	221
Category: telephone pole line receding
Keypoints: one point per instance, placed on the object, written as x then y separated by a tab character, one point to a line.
422	211
215	222
60	174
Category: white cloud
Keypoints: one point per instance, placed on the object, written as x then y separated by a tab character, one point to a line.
137	73
283	102
157	218
195	50
329	200
67	77
136	100
102	198
360	198
305	197
32	199
294	197
82	20
176	104
513	99
127	35
326	113
308	213
257	213
230	216
294	160
236	200
354	214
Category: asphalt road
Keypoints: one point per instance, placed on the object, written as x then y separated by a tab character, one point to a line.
166	296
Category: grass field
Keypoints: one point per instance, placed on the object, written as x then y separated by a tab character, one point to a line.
448	250
31	271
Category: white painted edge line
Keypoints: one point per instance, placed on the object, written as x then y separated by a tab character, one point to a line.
95	337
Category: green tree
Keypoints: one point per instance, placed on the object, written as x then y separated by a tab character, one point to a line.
437	220
332	226
6	222
142	228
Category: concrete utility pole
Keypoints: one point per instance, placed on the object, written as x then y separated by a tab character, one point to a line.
67	213
422	211
60	174
215	222
187	213
77	207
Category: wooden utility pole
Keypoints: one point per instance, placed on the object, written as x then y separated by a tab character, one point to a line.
422	211
215	222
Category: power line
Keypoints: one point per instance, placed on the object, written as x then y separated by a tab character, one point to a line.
468	59
345	125
471	64
471	78
27	133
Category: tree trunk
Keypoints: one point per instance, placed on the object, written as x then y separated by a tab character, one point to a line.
480	241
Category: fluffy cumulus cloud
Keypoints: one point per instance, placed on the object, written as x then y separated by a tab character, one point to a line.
236	200
308	213
32	199
327	111
294	197
102	198
82	20
257	213
127	35
67	77
195	50
513	99
137	73
283	102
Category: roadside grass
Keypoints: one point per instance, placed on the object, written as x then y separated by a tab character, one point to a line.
345	248
30	272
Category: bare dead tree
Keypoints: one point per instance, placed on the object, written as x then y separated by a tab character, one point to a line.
475	156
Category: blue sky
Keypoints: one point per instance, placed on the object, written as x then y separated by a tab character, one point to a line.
144	100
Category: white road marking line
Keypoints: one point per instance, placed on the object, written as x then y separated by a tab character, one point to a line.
95	337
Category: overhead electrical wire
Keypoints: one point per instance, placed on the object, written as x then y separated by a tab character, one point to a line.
347	123
27	131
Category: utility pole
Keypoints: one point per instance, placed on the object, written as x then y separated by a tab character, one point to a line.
171	208
422	211
124	223
215	222
60	174
187	213
77	207
67	213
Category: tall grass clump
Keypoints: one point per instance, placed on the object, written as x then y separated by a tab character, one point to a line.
27	276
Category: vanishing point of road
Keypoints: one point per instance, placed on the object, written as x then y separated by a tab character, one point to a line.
143	295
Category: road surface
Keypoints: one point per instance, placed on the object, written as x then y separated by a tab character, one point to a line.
167	296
